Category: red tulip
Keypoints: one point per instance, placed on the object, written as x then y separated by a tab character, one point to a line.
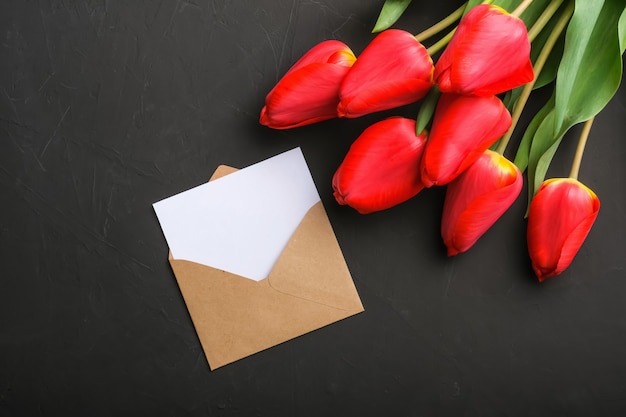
560	217
477	198
309	91
381	168
488	54
463	128
393	70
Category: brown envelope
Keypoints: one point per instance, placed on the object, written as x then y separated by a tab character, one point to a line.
309	287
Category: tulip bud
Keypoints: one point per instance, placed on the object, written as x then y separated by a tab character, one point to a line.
488	54
477	198
393	70
309	91
559	218
463	128
381	168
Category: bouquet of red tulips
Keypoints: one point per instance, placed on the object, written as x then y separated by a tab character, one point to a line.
473	84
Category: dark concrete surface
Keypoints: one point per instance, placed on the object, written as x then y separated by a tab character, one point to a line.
107	106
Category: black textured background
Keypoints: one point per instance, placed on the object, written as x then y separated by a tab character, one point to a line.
107	106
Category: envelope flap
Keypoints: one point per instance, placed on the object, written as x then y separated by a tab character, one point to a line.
309	287
222	171
312	265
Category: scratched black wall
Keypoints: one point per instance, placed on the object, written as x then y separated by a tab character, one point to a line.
107	106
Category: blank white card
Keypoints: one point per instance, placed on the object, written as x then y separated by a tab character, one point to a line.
240	223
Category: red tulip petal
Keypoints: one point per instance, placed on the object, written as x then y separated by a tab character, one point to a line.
560	217
309	91
381	168
477	199
574	241
488	54
463	128
304	96
330	51
395	66
382	96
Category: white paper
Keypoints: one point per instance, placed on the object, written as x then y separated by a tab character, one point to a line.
240	223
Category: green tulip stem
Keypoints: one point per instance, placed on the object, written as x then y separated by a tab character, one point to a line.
520	9
441	43
580	149
539	63
439	26
543	20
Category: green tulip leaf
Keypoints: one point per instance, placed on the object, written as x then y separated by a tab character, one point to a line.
511	97
543	163
530	17
390	13
622	31
551	66
523	151
427	109
591	68
532	12
542	150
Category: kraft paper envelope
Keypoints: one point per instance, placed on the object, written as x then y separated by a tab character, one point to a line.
308	287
